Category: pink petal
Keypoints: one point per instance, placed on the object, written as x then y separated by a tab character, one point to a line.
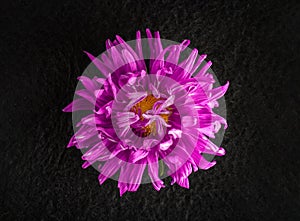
109	169
78	104
86	95
138	155
218	92
101	67
153	171
132	175
205	68
129	60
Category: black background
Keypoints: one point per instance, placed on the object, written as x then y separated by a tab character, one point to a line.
253	45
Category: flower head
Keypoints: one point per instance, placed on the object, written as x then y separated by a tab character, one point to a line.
149	117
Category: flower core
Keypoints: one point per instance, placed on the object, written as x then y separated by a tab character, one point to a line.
147	106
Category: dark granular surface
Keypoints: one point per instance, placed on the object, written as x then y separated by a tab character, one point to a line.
254	45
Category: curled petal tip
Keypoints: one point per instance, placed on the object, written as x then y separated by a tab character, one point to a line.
222	151
185	44
148	33
120	39
91	57
71	142
209	165
138	34
85	165
108	44
87	53
68	108
226	85
123	189
156	34
158	185
101	179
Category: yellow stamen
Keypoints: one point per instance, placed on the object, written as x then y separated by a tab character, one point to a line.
145	105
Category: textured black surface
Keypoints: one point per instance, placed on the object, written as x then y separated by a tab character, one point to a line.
253	45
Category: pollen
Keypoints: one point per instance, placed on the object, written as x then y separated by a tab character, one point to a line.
144	105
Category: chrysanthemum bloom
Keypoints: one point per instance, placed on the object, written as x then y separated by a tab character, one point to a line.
146	119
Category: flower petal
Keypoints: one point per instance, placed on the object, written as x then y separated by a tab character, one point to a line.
131	174
129	60
86	95
165	145
204	69
218	92
153	170
78	104
109	169
101	66
138	155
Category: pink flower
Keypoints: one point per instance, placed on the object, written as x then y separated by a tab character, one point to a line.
148	117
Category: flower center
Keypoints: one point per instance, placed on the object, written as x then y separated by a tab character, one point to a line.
142	107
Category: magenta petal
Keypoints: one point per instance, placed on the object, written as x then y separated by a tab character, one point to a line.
220	119
86	165
138	155
123	188
116	57
185	44
184	182
109	169
138	48
198	63
204	164
175	133
108	44
86	95
95	152
129	60
101	67
88	120
220	152
153	171
165	145
118	148
72	142
107	61
88	83
181	175
79	104
138	57
132	175
205	68
188	64
219	92
158	46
